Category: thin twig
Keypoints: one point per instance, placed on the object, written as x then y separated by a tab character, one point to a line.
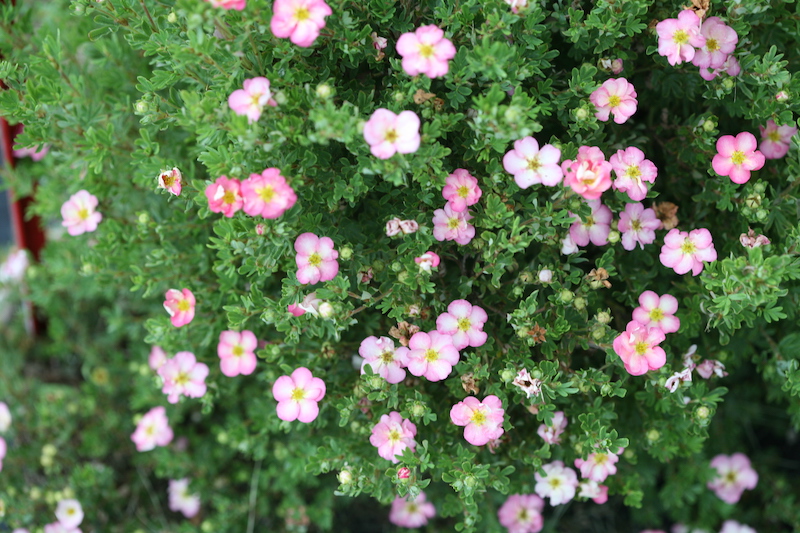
251	518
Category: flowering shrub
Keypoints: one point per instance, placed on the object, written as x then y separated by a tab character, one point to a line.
517	255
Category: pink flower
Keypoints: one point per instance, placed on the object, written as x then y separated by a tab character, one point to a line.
408	226
449	225
589	174
782	96
36	153
251	100
300	20
522	513
531	165
180	306
267	194
152	430
379	43
598	466
79	213
558	484
393	227
638	226
403	473
731	67
775	140
183	375
732	526
387	133
426	51
678	378
315	259
237	353
552	433
5	417
678	38
224	196
632	171
595	228
310	304
392	435
592	490
427	261
58	527
171	180
156	358
483	421
750	240
734	476
568	246
615	96
180	500
414	513
657	312
431	355
384	359
14	267
238	5
737	156
720	40
464	322
69	513
686	251
710	367
461	190
297	396
638	347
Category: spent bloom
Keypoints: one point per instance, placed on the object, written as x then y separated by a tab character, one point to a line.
297	396
171	180
529	385
180	500
183	375
299	20
411	513
686	251
237	352
180	306
711	367
522	513
737	156
426	51
617	97
427	261
593	490
734	476
750	240
251	100
552	433
638	347
589	174
408	226
638	226
449	225
315	259
69	513
309	304
678	378
483	421
720	41
732	526
392	435
464	322
387	133
775	140
632	171
678	38
530	164
431	355
657	311
224	196
79	213
461	190
384	359
595	228
267	194
152	430
5	417
598	466
393	227
558	484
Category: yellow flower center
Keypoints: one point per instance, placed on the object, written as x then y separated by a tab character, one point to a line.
688	247
182	378
464	324
555	482
478	417
633	172
184	305
302	14
641	348
680	37
412	508
83	213
229	197
267	193
426	51
600	458
315	260
394	434
70	511
391	136
636	225
656	315
452	223
738	157
712	45
237	351
431	355
614	101
150	430
168	180
730	477
387	357
534	164
298	394
774	136
589	222
463	191
523	515
255	100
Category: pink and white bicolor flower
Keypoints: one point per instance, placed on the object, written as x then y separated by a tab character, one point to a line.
431	355
236	352
384	359
530	164
638	347
69	513
299	20
464	323
183	375
387	133
297	396
657	311
449	225
598	466
224	196
181	500
552	433
152	430
559	483
775	140
251	100
411	513
483	421
392	435
180	305
684	251
595	228
79	213
522	513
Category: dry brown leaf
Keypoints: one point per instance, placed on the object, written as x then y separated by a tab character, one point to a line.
420	97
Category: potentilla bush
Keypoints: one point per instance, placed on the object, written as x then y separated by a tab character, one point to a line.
445	265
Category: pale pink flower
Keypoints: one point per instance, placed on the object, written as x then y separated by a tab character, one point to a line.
678	378
58	527
79	213
568	246
594	491
5	417
678	38
731	67
238	5
171	180
14	267
3	451
387	133
408	226
180	305
595	228
392	435
598	466
483	421
180	500
299	20
638	226
413	513
427	261
461	190
36	153
379	43
251	100
70	513
431	355
737	156
558	483
530	386
426	51
393	227
720	40
617	65
297	396
20	530
315	259
267	194
686	251
522	513
516	5
710	367
617	97
152	430
384	359
552	433
310	304
183	375
237	352
464	322
224	196
157	357
657	311
589	174
449	225
732	526
775	140
734	476
750	240
529	164
638	347
633	171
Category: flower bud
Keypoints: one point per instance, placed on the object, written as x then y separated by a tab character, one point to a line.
709	125
604	317
598	334
49	450
566	296
324	91
402	277
579	303
508	375
325	310
403	473
782	96
606	389
653	435
378	266
727	84
613	236
398	96
222	437
396	266
702	412
345	253
345	477
470	481
545	275
753	201
761	214
260	229
581	114
418	409
141	107
760	187
172	18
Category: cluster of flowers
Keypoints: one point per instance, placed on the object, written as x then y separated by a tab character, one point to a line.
706	369
638	346
461	190
708	46
266	194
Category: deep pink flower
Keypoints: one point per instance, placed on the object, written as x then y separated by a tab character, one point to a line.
224	196
483	421
638	226
616	96
392	435
238	5
431	355
737	156
69	513
152	430
657	312
464	322
181	500
734	476
237	352
686	251
461	190
529	164
678	38
403	473
720	40
633	171
183	375
79	213
387	133
426	51
732	526
384	359
156	358
427	261
315	259
267	194
180	306
449	225
598	466
299	20
251	100
297	396
559	484
589	174
171	180
414	513
310	304
638	347
775	140
552	433
594	491
522	513
595	228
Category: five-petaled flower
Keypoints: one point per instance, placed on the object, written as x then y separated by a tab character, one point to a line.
657	312
449	225
464	322
530	164
427	261
678	38
297	396
180	306
431	355
69	513
589	174
392	435
598	466
387	133
552	433
684	251
171	180
595	228
251	100
267	194
737	156
638	347
183	375
224	196
775	140
383	358
734	476
522	513
299	20
638	226
152	430
617	97
426	51
483	421
632	171
237	352
461	190
79	213
181	500
720	41
558	484
315	259
411	513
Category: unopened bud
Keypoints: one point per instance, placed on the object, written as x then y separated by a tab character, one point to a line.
579	303
345	253
581	114
753	201
403	473
702	412
545	275
172	18
345	477
604	317
709	125
324	91
508	375
598	334
653	435
613	236
141	107
418	409
761	214
566	296
325	310
782	96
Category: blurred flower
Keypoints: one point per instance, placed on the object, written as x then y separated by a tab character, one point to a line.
152	430
171	180
79	213
552	433
224	196
183	375
522	513
388	133
734	476
426	51
228	4
558	483
251	100
775	140
413	513
299	20
70	513
5	417
237	352
180	500
427	261
598	466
